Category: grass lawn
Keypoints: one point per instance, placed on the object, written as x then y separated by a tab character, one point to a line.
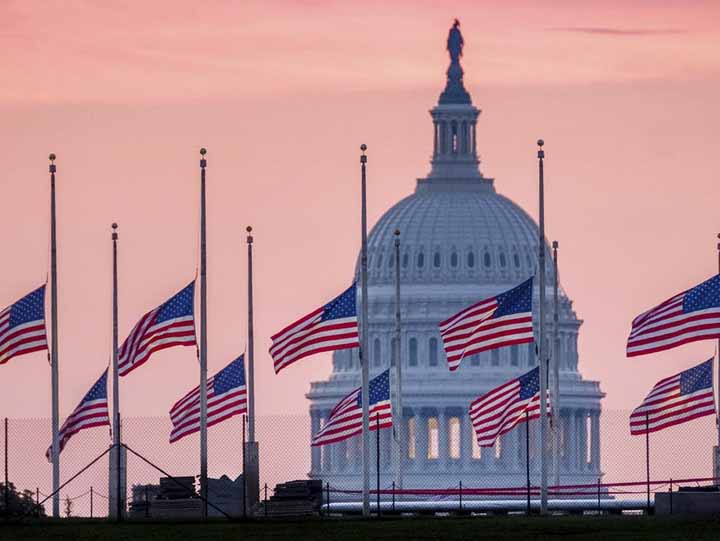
585	528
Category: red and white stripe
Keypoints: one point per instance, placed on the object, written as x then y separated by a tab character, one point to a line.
148	337
185	414
474	330
310	335
21	339
87	415
501	410
345	420
666	326
665	406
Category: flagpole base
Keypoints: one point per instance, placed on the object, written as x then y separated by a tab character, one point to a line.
252	475
113	506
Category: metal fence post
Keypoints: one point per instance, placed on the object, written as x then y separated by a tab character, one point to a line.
37	501
91	502
147	503
461	496
598	495
266	501
7	483
393	497
671	502
327	498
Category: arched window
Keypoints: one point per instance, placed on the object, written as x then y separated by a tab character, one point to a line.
454	438
411	433
412	352
433	352
379	260
406	260
433	429
475	360
436	260
495	357
503	261
516	260
421	260
454	128
514	355
471	260
454	260
376	352
487	259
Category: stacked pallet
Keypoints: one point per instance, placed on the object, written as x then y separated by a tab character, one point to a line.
294	499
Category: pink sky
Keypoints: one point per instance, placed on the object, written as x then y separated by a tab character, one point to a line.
282	95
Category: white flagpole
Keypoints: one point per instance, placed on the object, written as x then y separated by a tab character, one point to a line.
251	452
203	339
54	346
716	473
542	349
364	357
399	420
555	392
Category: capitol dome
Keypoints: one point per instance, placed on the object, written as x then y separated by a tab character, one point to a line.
460	241
455	232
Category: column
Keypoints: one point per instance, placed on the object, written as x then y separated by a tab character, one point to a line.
474	144
421	441
595	449
583	440
315	452
466	436
326	450
567	449
435	139
443	440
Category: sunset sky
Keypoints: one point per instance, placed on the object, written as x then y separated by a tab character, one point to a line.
282	94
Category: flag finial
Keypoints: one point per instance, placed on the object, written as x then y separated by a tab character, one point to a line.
114	232
249	232
52	162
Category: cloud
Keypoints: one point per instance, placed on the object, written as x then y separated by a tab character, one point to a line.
608	31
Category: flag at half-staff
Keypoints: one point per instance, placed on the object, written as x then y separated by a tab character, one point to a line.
226	395
22	326
345	419
687	317
506	406
676	400
170	324
499	321
92	411
331	327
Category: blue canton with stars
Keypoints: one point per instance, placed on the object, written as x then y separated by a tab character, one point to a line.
97	391
696	378
529	384
179	305
704	296
379	389
230	377
515	301
341	306
30	308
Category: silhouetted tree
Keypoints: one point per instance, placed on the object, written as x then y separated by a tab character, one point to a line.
14	503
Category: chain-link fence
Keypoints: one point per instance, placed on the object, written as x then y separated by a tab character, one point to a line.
434	470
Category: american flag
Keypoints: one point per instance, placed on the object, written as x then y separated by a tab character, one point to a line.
499	321
505	407
675	400
170	324
345	419
90	412
226	397
330	327
687	317
22	326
